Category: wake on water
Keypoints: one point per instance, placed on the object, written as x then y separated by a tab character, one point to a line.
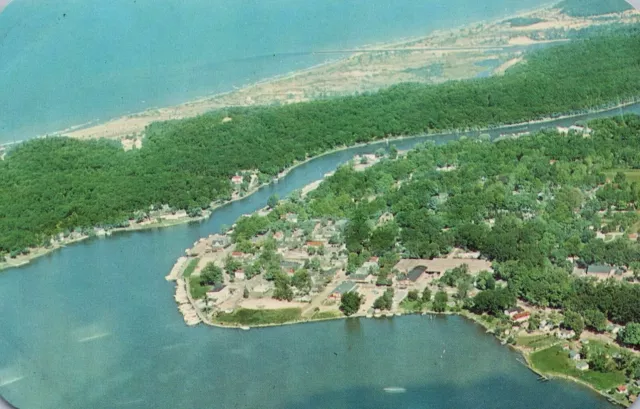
394	389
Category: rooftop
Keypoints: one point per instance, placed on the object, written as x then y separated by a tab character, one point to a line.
344	287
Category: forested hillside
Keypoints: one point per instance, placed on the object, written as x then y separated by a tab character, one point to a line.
586	8
56	184
530	205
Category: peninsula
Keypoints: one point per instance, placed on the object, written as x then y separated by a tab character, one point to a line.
535	238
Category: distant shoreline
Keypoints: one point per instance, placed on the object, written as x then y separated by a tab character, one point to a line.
42	251
200	105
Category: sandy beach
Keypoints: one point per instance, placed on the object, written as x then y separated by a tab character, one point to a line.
441	56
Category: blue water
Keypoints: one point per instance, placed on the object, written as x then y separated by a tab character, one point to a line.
67	62
94	325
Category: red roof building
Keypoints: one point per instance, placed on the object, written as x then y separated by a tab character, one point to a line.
622	389
237	180
521	317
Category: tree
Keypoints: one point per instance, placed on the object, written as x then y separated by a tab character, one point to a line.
493	302
595	319
463	286
393	152
302	280
357	231
413	295
534	322
282	290
273	201
231	264
350	303
630	335
211	275
485	281
574	321
599	361
385	301
440	301
426	295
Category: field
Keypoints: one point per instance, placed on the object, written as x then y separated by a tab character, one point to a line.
260	317
633	175
554	360
536	341
325	315
190	267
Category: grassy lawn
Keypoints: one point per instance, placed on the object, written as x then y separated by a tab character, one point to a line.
323	315
556	361
197	290
260	317
633	175
411	306
191	267
536	341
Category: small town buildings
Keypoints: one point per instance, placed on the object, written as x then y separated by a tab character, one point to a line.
565	334
511	312
290	266
219	294
622	389
278	236
582	366
343	288
291	217
239	275
237	180
521	316
238	254
602	271
315	243
219	240
574	356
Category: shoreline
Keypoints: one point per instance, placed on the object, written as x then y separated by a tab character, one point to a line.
42	251
157	111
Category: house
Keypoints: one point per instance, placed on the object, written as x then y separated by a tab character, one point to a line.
564	334
633	236
219	240
362	276
219	293
278	236
343	288
511	312
291	217
546	326
237	180
289	266
374	259
574	356
239	275
632	398
582	366
238	254
601	270
521	317
622	389
315	243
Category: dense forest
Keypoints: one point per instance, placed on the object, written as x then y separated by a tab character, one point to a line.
534	206
587	8
54	185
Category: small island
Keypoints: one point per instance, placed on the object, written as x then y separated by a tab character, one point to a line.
533	237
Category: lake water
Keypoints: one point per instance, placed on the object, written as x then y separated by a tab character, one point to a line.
67	62
94	325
